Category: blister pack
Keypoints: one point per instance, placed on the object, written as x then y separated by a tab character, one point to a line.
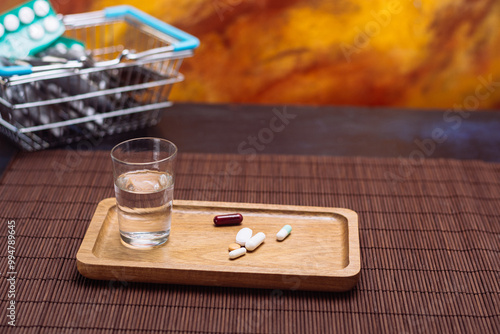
29	28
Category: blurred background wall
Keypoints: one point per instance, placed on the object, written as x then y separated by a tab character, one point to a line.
405	53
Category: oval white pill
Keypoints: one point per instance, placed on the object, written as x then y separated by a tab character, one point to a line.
284	232
26	15
41	8
237	253
243	236
2	30
255	241
11	22
51	24
36	31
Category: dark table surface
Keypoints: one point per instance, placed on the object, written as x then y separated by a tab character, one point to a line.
428	235
310	130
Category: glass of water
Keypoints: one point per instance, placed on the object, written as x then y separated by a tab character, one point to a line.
143	172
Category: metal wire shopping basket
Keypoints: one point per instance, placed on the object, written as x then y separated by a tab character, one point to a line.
123	85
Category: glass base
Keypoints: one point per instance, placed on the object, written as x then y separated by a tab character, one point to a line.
144	240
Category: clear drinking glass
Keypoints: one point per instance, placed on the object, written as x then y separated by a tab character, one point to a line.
143	172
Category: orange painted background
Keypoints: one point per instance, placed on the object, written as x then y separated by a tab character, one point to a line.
405	53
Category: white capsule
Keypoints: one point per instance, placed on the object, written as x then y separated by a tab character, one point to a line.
255	241
243	236
26	15
2	30
237	253
11	22
284	232
41	8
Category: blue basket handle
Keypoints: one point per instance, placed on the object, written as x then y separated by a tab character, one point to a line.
8	71
186	41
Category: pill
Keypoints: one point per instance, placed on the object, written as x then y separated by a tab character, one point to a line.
284	232
11	22
233	246
51	24
26	15
230	219
41	8
62	49
243	236
255	241
2	30
237	253
36	31
78	47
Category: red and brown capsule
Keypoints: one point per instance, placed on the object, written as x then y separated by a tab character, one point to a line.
230	219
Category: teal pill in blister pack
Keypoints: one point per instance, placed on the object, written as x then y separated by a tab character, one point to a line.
28	29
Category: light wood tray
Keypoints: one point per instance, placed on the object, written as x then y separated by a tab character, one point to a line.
322	252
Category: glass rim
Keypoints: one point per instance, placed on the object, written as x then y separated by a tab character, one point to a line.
144	163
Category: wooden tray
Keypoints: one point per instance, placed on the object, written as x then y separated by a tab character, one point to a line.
322	252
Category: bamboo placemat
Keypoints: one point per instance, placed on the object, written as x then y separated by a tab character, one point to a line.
429	234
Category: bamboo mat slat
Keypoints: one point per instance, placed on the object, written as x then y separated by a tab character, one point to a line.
429	234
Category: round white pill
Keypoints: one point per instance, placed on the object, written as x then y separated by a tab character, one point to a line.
243	236
41	8
51	24
61	48
78	47
36	31
11	22
26	15
2	30
237	253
